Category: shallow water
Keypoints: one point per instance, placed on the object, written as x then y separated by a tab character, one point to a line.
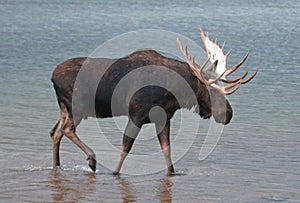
257	157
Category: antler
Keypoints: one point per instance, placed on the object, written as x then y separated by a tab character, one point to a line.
215	52
197	72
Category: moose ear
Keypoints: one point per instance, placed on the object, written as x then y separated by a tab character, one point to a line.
213	66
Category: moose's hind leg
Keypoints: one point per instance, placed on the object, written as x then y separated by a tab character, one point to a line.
56	136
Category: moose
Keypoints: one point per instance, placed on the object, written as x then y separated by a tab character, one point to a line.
204	82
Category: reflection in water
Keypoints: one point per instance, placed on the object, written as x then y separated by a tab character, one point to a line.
72	190
165	192
126	191
76	187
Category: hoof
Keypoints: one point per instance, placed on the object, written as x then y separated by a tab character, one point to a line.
115	173
55	168
171	171
92	162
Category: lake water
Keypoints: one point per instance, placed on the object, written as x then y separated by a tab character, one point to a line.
257	158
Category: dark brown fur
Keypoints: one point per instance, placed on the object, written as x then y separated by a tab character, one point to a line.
72	112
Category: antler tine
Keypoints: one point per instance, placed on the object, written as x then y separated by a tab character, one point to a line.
234	68
236	79
205	63
203	36
236	85
228	53
249	79
191	62
223	45
195	68
223	89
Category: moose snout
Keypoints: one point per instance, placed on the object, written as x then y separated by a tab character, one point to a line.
223	115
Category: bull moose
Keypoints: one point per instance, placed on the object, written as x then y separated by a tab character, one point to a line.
204	82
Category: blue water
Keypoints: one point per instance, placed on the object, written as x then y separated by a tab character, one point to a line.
257	157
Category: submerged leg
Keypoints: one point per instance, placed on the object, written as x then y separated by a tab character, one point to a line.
56	136
164	141
129	136
69	130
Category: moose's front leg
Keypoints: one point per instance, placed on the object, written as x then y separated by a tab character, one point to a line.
163	134
129	136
